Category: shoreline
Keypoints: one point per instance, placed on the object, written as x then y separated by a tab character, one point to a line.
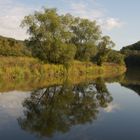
29	73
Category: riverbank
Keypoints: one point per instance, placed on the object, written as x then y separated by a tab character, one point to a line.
28	73
14	68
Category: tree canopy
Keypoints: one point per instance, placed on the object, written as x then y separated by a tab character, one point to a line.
58	38
49	36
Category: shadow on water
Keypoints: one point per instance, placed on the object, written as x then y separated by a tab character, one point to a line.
132	79
58	108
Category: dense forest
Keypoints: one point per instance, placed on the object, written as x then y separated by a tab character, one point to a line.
60	39
132	53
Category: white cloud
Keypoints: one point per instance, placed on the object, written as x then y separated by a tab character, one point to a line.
83	10
11	103
12	13
108	23
111	108
111	23
11	16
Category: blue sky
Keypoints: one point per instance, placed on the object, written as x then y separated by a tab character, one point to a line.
118	18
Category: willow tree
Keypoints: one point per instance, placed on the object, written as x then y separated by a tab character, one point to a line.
86	35
59	39
104	47
49	37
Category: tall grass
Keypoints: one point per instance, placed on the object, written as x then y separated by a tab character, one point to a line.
16	68
25	73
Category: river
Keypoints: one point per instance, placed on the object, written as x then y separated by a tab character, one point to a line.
102	109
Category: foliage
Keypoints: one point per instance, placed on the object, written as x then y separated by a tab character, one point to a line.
86	35
49	37
12	47
59	39
16	68
133	47
86	52
115	57
27	68
132	53
105	46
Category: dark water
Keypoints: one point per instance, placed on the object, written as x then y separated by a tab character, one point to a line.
104	109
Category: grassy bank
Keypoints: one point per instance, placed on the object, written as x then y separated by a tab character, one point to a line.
15	68
28	73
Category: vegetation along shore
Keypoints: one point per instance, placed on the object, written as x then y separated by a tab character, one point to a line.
59	46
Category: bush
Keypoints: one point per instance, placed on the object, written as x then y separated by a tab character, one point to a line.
115	57
12	47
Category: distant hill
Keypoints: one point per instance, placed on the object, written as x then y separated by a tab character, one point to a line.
12	47
133	47
132	53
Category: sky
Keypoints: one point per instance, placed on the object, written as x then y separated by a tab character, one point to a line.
117	18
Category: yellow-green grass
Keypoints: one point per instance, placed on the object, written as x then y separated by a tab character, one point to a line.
26	68
33	84
24	72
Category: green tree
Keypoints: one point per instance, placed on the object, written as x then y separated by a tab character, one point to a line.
115	57
58	38
104	47
49	37
86	36
132	54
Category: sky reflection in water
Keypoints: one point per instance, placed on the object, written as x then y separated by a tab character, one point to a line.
97	110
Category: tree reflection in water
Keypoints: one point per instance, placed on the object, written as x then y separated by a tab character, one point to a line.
58	108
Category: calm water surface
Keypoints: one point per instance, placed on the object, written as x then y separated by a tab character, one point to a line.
96	110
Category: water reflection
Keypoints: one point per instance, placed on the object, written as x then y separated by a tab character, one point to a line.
132	79
58	108
88	110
